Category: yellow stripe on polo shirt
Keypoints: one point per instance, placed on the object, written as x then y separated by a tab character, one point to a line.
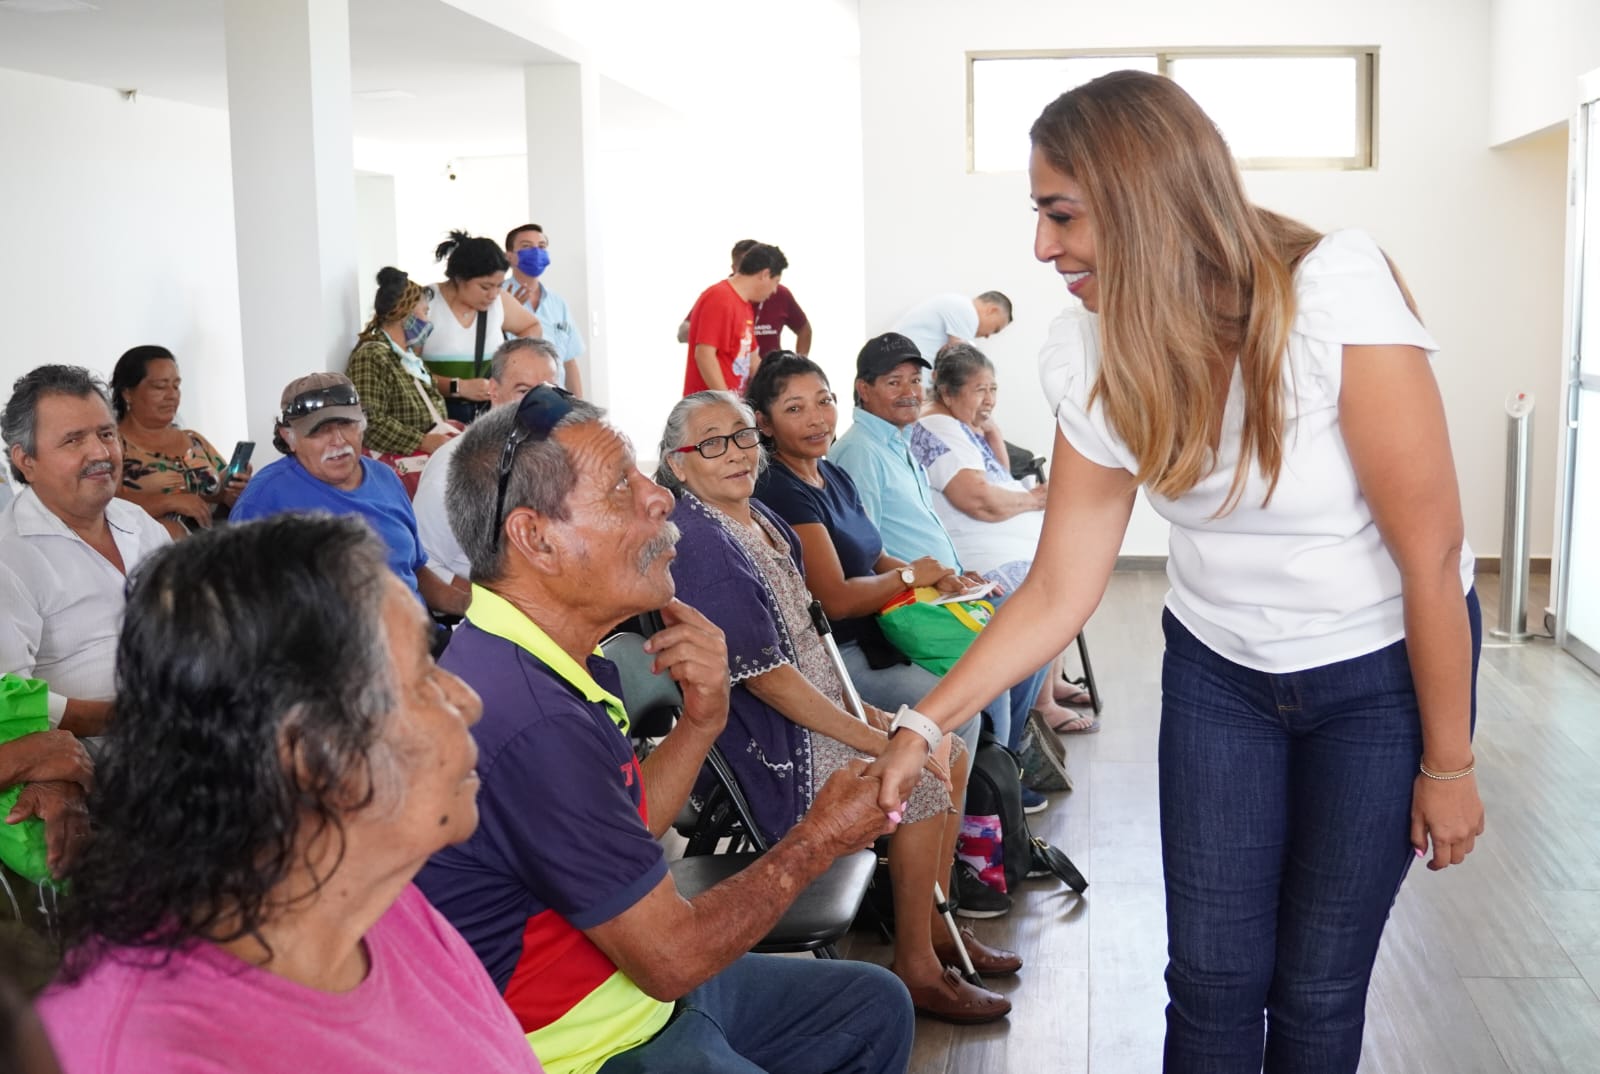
617	1015
613	1018
494	614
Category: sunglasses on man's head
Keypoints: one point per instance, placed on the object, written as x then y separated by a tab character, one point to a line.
714	447
538	413
313	401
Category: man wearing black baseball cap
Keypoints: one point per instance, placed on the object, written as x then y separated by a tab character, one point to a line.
876	450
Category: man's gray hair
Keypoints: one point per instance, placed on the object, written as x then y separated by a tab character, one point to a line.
19	424
542	478
503	354
956	364
676	433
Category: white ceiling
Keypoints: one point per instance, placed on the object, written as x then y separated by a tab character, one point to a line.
465	75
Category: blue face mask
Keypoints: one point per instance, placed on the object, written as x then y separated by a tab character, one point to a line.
416	330
533	260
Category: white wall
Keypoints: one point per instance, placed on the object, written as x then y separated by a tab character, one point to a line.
377	240
676	193
119	231
1478	233
1538	49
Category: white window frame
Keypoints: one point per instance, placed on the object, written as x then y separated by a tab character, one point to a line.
1366	57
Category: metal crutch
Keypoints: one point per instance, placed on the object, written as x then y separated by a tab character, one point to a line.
853	705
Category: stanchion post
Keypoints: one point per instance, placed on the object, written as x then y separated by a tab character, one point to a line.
1514	537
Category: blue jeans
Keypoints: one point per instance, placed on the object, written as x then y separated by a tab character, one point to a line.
783	1016
1285	834
1008	713
901	684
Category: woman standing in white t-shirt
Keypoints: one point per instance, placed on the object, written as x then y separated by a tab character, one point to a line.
1269	387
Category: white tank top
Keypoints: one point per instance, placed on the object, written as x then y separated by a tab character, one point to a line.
450	347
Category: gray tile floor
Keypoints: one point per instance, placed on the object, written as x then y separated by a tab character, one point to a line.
1494	967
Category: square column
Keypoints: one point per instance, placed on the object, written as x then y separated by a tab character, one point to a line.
293	194
562	109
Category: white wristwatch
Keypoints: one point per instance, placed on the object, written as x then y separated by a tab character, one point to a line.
912	720
909	577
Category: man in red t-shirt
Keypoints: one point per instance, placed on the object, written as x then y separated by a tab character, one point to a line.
722	343
780	311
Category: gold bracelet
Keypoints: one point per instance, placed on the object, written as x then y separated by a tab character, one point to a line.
1445	777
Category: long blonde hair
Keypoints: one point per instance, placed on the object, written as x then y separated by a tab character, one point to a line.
1189	273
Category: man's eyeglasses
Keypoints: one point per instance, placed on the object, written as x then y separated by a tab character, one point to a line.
538	413
714	447
313	401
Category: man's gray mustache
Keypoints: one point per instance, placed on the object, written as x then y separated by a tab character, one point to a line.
660	546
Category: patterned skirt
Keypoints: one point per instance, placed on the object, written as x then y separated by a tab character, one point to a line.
929	798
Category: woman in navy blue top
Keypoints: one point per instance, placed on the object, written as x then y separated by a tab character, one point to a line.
846	566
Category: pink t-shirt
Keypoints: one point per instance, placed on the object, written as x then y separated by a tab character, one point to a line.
426	1005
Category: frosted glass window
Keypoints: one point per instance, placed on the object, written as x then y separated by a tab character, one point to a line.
1276	108
1009	93
1589	361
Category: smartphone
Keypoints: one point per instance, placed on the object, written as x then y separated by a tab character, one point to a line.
241	458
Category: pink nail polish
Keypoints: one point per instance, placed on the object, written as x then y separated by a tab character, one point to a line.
894	816
1420	853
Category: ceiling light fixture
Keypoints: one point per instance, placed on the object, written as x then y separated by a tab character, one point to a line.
46	7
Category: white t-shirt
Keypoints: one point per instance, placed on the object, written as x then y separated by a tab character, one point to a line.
945	447
930	324
445	557
1307	580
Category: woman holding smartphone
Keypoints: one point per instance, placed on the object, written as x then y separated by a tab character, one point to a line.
1269	386
173	473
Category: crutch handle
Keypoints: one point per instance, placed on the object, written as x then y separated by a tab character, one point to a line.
819	619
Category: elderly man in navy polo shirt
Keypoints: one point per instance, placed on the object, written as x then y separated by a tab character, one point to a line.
563	891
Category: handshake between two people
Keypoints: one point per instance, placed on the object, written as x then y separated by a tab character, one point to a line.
859	803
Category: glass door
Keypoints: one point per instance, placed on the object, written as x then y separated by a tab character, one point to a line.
1578	580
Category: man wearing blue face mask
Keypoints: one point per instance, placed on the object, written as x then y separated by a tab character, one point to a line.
527	249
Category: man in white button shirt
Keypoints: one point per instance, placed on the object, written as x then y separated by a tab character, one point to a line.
69	543
518	366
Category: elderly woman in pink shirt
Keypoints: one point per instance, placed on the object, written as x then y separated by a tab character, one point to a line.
285	756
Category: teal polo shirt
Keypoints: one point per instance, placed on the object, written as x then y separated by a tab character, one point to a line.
894	489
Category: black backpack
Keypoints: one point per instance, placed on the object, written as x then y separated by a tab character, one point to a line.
995	790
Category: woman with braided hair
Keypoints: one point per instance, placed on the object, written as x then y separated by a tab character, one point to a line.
405	413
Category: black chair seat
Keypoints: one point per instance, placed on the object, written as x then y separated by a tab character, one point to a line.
819	917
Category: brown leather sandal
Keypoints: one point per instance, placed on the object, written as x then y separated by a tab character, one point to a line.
994	961
952	999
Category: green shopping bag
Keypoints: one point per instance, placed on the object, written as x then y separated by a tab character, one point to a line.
933	635
24	709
